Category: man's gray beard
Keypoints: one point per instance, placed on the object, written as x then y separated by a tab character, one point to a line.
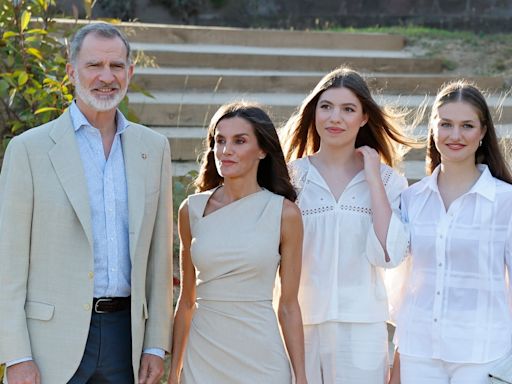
100	105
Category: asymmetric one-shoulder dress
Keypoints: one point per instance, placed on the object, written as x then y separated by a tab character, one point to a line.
234	335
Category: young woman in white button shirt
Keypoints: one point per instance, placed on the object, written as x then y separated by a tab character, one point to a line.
342	145
455	318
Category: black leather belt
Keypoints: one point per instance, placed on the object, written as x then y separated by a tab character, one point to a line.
110	304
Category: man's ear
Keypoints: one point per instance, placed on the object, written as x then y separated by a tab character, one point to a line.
130	71
70	70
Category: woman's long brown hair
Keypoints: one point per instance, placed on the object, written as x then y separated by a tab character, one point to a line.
272	171
489	152
382	131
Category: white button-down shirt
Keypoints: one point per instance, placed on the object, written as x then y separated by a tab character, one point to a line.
343	259
457	305
108	199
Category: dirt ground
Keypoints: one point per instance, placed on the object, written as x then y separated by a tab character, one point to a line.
489	55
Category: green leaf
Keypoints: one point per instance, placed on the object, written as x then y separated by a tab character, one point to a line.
25	19
22	78
37	31
32	39
45	109
8	34
4	86
16	126
5	142
12	94
10	60
35	52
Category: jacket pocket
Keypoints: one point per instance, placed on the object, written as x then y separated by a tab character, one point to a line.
39	311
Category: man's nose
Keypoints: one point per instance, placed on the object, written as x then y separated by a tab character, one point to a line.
106	75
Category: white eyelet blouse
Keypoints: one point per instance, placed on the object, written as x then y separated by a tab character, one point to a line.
343	261
457	305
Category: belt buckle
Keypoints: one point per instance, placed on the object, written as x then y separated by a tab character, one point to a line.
106	300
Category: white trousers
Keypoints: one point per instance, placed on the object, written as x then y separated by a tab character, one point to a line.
419	370
346	353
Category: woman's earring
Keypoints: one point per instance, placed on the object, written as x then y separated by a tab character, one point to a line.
480	143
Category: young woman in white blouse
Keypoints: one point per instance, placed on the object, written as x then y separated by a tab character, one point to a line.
455	318
343	146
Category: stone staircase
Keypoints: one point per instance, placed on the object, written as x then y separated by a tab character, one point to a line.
200	68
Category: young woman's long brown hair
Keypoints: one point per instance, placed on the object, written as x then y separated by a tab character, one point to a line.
489	152
382	131
272	171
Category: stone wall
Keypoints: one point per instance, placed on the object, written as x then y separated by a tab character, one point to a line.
476	15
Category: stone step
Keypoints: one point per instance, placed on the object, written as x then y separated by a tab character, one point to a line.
192	109
245	80
187	143
285	59
179	34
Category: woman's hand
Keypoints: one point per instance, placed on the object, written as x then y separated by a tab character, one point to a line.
395	370
371	161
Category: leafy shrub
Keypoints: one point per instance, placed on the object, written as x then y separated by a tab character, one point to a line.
34	87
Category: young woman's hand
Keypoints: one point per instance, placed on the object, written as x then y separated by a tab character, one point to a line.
371	160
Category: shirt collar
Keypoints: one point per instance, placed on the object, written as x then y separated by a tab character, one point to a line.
484	186
79	120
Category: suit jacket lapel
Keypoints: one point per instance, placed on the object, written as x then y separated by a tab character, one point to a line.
135	154
65	158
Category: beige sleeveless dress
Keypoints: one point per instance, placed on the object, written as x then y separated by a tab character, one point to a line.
234	336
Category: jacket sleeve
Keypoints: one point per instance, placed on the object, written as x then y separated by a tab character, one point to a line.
16	205
159	272
397	239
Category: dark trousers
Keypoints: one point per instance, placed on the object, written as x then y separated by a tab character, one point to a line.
108	353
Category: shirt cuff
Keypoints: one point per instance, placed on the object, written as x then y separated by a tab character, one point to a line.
17	361
397	243
155	351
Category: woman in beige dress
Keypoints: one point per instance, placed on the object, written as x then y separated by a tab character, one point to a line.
235	234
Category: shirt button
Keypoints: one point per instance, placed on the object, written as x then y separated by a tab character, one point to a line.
440	264
440	236
438	293
435	320
87	307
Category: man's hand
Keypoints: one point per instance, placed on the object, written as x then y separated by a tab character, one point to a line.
23	373
151	369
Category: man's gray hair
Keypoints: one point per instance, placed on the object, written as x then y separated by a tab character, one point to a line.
105	30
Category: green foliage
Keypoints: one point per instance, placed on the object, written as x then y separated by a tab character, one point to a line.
182	187
34	87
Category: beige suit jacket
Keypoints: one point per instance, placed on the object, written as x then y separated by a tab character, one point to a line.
46	250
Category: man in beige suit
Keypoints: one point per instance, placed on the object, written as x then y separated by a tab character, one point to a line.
86	233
